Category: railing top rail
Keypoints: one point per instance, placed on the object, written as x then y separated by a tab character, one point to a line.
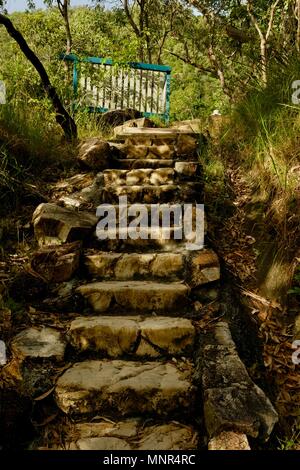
105	61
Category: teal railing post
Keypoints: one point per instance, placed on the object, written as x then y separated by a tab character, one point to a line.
75	78
168	97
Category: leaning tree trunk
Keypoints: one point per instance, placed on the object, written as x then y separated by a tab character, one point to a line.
63	118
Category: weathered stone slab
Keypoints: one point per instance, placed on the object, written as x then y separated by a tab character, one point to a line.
229	441
134	123
115	335
95	154
39	343
58	263
232	402
126	388
153	194
204	267
131	434
135	295
196	269
186	169
186	145
139	177
154	163
154	133
54	225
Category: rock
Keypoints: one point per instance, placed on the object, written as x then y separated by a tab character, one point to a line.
119	116
240	408
95	154
54	225
131	266
190	192
232	402
165	336
164	151
189	125
57	263
204	268
187	169
131	150
126	388
229	441
115	336
131	164
135	295
139	123
39	343
131	434
171	436
139	177
167	264
186	145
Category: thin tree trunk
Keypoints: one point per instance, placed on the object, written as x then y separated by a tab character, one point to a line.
298	25
63	118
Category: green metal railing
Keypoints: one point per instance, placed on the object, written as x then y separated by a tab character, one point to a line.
101	85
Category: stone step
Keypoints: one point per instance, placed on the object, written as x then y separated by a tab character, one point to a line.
126	388
139	177
156	143
135	296
130	434
148	176
148	239
136	336
136	163
195	267
153	133
152	194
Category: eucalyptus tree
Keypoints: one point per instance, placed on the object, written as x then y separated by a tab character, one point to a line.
63	118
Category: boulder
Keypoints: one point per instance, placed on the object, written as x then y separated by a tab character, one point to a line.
57	263
39	343
95	154
54	225
232	401
119	116
229	440
141	122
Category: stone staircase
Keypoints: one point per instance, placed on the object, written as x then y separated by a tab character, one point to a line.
140	372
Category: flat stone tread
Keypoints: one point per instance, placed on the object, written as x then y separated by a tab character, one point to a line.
127	388
150	336
134	285
153	132
130	434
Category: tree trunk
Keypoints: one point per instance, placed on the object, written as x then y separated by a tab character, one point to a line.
264	61
298	25
63	118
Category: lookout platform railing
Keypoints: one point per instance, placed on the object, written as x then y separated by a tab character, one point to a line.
101	85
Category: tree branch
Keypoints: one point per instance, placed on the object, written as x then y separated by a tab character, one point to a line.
63	118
